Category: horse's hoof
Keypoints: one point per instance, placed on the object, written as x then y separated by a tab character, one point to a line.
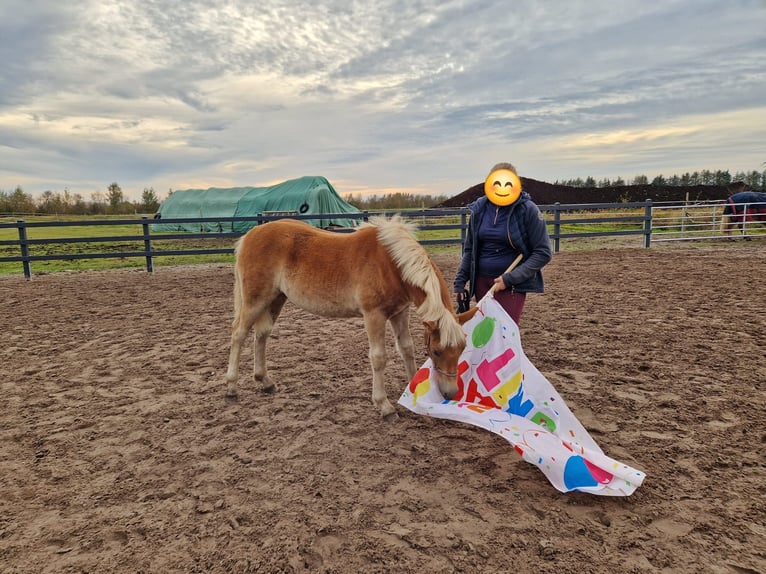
391	417
269	389
232	398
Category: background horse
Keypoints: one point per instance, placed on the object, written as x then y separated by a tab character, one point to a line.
741	207
375	272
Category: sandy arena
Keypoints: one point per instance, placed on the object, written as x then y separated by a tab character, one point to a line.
120	453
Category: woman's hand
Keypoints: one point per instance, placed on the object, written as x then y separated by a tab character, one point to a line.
462	301
499	283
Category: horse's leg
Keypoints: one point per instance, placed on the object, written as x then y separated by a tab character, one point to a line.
247	312
240	327
403	339
238	334
261	333
375	323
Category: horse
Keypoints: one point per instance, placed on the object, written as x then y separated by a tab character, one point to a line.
375	272
741	207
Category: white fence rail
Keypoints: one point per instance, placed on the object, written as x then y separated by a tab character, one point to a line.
700	221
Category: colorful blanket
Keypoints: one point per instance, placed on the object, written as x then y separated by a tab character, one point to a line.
501	391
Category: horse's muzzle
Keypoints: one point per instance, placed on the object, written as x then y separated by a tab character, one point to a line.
447	385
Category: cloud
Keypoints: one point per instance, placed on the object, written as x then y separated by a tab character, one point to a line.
384	95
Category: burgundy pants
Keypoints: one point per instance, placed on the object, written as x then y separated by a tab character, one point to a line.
510	300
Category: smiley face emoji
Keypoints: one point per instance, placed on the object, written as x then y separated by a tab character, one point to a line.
502	187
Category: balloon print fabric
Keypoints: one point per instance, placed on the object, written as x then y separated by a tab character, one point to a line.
501	391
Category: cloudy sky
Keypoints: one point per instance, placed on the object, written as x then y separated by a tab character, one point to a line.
376	95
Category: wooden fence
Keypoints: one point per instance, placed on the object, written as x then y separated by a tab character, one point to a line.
565	221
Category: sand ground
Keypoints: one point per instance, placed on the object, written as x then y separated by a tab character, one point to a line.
120	454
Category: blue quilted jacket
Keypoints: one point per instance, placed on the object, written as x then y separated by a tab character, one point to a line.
527	234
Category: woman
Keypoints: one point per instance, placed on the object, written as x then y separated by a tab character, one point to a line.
503	224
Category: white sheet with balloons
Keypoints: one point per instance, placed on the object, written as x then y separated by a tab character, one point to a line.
500	390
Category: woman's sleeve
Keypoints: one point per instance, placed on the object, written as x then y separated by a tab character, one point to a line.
464	269
539	249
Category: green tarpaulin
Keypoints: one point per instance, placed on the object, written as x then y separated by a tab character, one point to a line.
305	196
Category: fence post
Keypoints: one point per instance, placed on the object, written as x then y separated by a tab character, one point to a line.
463	229
683	215
714	219
648	224
744	219
24	245
147	245
556	226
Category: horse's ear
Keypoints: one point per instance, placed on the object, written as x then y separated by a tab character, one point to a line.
467	316
430	325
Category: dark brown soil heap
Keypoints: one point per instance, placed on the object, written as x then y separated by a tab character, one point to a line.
548	193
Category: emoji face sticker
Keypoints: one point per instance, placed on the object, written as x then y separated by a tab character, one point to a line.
502	187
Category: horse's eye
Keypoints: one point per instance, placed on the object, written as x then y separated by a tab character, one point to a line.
437	353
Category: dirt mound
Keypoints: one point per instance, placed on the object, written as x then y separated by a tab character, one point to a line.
121	454
548	193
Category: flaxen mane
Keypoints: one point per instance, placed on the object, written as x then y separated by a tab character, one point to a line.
417	269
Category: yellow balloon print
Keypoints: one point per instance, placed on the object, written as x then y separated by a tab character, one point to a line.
420	390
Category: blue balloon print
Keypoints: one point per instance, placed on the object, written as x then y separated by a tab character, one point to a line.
577	475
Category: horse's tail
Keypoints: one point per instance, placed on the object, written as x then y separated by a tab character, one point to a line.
237	281
730	212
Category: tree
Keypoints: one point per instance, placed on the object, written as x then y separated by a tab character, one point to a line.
115	197
98	205
606	182
78	207
20	203
695	178
67	200
722	177
640	180
149	200
396	200
753	179
50	203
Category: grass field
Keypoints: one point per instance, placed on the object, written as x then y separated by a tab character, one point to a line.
71	244
101	240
